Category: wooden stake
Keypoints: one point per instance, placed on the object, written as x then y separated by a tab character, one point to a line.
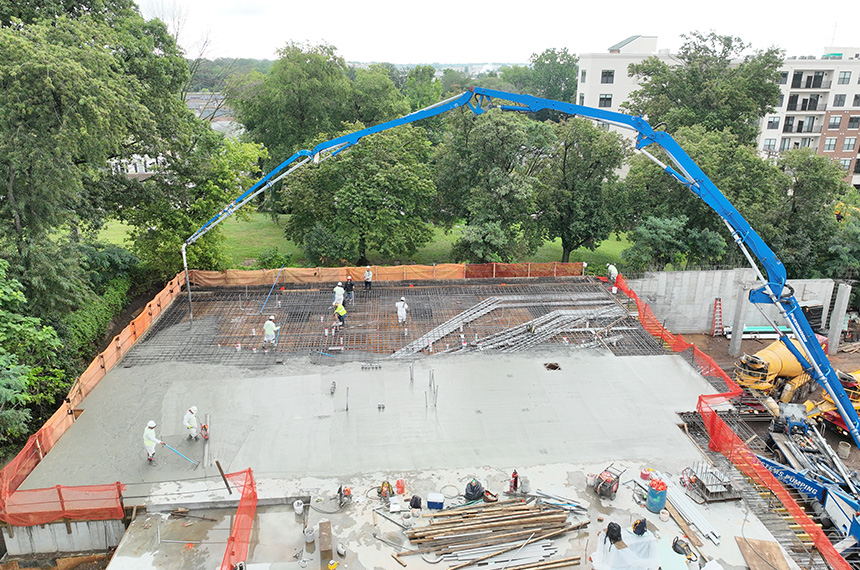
226	482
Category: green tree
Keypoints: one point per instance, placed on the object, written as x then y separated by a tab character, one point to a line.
375	196
375	99
752	185
76	93
306	92
520	78
421	88
487	175
26	352
577	204
554	74
658	242
714	85
169	207
455	82
805	215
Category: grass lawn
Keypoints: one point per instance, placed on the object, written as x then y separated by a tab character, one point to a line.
245	239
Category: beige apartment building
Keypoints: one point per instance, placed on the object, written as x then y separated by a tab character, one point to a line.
819	105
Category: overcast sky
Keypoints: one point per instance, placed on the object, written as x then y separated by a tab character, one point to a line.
444	31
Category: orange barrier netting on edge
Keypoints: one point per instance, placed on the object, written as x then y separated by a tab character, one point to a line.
91	502
240	534
444	271
724	439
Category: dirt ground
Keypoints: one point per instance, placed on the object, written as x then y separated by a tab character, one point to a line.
718	349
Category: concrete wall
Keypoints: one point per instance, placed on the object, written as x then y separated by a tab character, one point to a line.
684	300
86	536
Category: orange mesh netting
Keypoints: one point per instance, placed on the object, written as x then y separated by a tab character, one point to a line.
240	534
93	502
723	438
444	271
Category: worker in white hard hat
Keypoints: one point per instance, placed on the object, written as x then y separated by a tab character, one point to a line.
338	294
612	273
368	277
269	329
402	307
190	422
150	441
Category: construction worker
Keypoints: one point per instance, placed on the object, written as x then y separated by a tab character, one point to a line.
368	277
150	441
348	290
338	293
269	329
340	313
402	307
190	422
612	273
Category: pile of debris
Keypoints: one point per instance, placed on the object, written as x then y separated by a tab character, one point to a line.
515	531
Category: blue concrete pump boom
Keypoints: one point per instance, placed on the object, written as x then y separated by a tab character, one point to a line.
769	269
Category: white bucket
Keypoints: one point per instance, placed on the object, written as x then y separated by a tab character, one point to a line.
309	534
844	449
614	290
589	480
298	506
664	515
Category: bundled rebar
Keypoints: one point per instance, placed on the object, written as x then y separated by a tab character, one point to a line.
482	532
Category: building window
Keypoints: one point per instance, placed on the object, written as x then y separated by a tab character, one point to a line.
845	163
603	125
769	144
844	78
857	167
605	100
781	101
830	143
839	100
582	98
785	144
835	122
848	144
854	122
607	76
857	100
783	78
773	122
582	77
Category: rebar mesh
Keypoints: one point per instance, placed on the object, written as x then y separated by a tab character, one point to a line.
227	327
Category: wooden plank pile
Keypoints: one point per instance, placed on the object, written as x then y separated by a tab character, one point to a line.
510	534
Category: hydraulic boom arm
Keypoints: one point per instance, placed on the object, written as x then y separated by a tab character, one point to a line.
772	291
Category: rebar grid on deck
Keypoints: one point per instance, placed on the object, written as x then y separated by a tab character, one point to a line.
228	322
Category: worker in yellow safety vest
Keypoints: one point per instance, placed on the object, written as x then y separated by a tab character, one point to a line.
340	313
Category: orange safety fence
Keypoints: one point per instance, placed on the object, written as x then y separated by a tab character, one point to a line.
444	271
723	439
91	502
509	270
240	535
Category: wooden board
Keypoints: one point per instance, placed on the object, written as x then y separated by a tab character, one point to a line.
761	554
691	536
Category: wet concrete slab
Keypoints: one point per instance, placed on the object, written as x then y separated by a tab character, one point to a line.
284	422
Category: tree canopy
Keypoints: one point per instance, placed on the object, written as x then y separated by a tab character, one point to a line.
375	197
579	201
714	85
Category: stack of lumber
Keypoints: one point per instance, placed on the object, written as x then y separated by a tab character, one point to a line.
486	533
